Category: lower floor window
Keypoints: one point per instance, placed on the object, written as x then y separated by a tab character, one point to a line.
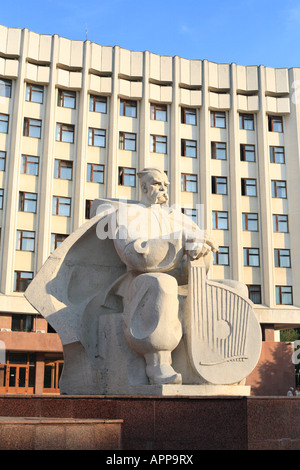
61	206
52	372
284	295
188	183
56	240
17	373
221	256
21	322
95	173
127	176
192	213
22	280
254	291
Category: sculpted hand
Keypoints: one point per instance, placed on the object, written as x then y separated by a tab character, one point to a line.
197	249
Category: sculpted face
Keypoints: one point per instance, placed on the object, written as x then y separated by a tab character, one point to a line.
155	187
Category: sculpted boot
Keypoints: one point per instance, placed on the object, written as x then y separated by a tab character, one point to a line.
159	369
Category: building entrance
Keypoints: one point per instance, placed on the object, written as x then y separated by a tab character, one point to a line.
52	373
18	374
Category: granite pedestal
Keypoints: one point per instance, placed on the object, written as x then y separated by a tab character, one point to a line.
172	423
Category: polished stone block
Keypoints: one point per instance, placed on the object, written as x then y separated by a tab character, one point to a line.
151	423
37	433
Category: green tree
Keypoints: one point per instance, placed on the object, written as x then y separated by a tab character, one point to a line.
290	335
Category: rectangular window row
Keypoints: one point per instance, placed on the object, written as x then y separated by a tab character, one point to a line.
251	257
60	205
67	99
283	294
63	169
248	187
128	108
158	144
220	221
247	152
127	177
246	121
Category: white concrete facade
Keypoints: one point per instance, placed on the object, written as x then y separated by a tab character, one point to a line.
164	88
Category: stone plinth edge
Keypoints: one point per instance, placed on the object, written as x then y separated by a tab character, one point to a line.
191	390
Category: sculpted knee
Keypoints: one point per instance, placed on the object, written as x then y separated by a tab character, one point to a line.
161	283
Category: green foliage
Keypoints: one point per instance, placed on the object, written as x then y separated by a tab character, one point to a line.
290	335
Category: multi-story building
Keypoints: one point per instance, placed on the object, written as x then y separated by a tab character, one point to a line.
78	120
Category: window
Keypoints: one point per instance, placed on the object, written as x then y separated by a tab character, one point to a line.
188	183
97	137
5	88
1	198
18	373
128	108
159	112
127	141
88	206
278	189
34	93
29	165
61	206
158	144
66	99
32	128
27	202
22	322
254	291
63	169
277	154
65	133
98	104
219	150
251	256
280	223
189	116
188	148
221	257
248	187
52	372
247	153
247	121
22	280
127	176
284	295
56	240
192	213
218	119
95	173
2	161
250	221
219	185
25	240
4	123
282	258
220	220
275	123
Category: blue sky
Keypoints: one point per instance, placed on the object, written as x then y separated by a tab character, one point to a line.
247	32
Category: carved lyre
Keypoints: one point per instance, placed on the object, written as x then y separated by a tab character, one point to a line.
223	332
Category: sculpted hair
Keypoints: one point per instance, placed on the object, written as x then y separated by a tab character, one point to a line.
148	170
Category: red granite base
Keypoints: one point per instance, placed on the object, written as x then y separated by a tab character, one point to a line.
173	423
59	434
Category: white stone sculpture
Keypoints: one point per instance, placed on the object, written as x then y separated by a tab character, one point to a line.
128	295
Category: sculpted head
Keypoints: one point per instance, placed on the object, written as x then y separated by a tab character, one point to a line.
154	186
